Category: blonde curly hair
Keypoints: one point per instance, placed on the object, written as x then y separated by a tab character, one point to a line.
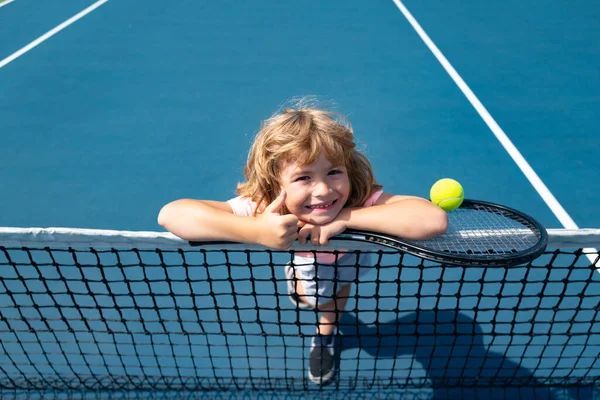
300	135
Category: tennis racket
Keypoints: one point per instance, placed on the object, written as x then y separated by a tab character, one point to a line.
479	234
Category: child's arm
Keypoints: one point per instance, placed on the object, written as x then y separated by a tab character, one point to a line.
205	220
403	216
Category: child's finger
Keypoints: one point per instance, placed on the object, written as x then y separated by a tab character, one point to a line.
291	221
315	235
290	241
276	204
303	234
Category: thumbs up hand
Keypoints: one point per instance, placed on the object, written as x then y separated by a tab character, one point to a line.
276	231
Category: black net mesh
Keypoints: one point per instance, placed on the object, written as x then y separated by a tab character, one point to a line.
92	321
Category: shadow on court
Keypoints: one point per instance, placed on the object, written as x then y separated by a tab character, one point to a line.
449	345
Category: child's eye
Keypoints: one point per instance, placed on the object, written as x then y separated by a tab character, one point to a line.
302	178
335	172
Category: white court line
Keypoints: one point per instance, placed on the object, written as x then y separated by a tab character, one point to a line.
5	3
530	174
51	33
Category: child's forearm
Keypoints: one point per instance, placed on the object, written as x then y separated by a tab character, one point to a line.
412	218
198	221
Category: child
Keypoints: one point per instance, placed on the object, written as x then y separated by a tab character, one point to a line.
306	179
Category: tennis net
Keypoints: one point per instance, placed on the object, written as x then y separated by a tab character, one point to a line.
107	312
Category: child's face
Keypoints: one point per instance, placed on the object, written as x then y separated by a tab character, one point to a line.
315	193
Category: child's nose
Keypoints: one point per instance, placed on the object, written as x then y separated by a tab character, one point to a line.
321	189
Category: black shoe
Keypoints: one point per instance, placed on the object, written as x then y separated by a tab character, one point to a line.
322	359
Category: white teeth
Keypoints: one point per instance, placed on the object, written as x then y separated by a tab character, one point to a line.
322	205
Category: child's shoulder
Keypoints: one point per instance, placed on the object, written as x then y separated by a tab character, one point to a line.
372	199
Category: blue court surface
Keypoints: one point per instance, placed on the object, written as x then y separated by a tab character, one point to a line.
111	109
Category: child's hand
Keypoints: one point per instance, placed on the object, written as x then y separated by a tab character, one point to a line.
277	231
320	234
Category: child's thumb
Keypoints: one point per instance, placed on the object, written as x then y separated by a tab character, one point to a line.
276	204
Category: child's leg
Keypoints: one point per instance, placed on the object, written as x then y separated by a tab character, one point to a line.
322	349
323	352
331	312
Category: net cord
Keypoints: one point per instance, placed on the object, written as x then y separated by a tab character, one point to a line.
97	238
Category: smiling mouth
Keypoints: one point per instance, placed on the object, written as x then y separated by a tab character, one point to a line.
322	206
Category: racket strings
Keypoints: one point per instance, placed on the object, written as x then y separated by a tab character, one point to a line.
482	230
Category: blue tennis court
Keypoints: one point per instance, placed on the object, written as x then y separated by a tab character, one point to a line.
111	109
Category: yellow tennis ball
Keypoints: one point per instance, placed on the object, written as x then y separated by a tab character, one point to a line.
447	193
